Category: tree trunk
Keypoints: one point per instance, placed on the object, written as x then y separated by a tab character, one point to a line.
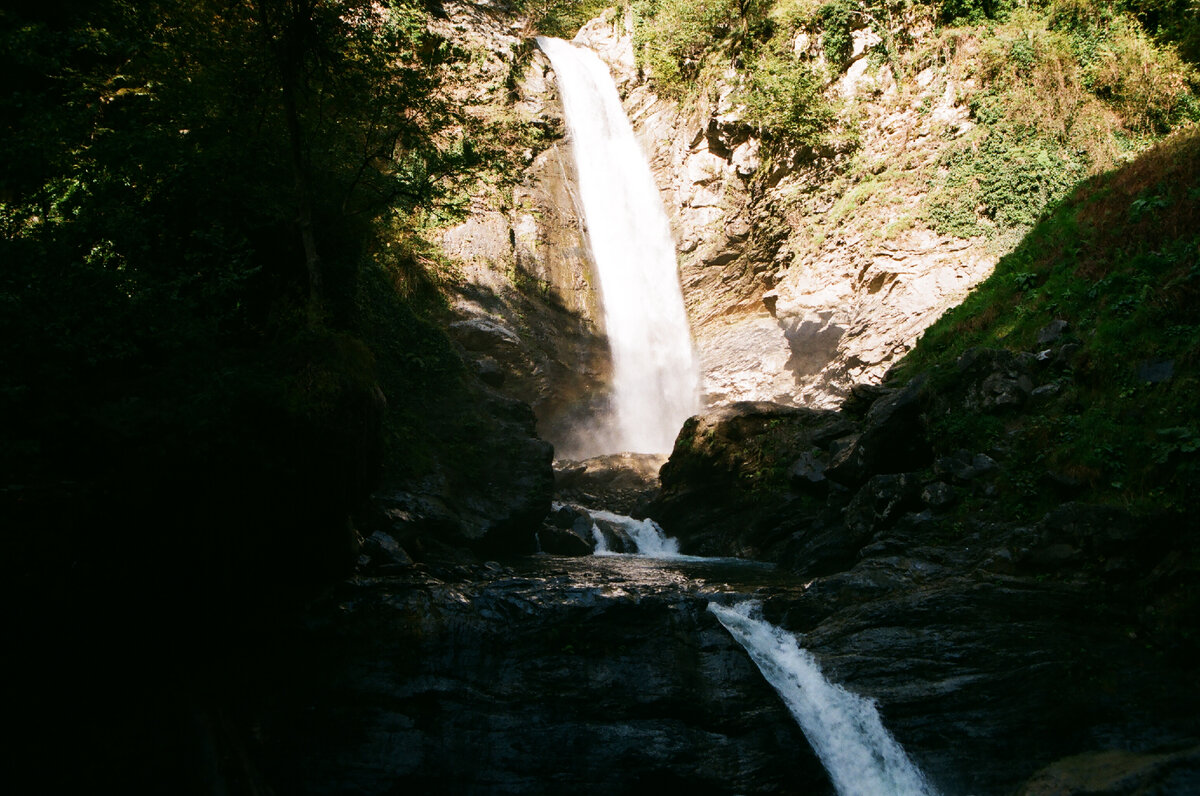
312	259
285	37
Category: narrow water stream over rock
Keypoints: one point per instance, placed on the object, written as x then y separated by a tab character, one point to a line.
602	674
612	674
595	674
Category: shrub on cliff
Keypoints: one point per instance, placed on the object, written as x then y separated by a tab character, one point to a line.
1063	94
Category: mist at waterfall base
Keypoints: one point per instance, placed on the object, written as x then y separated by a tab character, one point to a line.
656	379
844	729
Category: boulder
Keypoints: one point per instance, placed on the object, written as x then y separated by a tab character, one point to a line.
489	371
726	490
938	495
614	535
808	471
1156	371
561	541
619	482
880	502
892	439
996	378
963	466
1052	332
382	554
496	505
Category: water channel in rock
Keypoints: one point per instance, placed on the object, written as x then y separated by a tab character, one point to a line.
596	674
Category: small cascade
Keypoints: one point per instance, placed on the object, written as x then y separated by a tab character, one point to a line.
844	729
601	548
655	373
647	535
616	534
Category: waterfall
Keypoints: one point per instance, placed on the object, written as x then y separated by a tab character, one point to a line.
655	373
601	544
844	729
647	535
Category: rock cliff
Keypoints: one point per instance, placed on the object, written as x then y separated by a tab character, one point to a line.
799	282
805	271
522	287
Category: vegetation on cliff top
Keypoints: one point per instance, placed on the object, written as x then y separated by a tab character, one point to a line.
1058	90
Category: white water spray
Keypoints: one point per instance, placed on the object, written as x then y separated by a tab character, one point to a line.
655	373
646	534
844	729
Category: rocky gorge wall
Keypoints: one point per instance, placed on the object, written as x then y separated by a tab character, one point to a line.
524	302
799	283
805	271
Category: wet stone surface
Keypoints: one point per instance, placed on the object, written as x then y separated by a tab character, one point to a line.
606	674
595	675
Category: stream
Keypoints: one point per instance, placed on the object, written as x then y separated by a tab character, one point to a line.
546	674
619	673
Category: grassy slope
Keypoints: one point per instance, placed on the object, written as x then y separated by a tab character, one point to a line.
1118	260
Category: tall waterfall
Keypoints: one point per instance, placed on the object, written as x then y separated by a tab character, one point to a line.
655	374
844	729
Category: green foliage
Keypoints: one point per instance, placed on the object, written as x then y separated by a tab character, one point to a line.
1149	86
561	18
165	170
836	20
1086	75
1064	95
971	12
1000	179
1173	22
672	38
1120	262
784	96
684	45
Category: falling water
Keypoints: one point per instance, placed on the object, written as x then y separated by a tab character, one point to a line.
655	375
647	535
861	756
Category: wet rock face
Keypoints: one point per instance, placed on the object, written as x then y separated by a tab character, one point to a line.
523	290
489	681
619	482
987	678
495	514
1003	653
721	489
892	440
